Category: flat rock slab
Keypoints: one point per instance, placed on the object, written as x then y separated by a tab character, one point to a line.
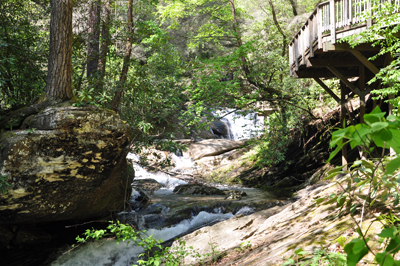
211	147
274	234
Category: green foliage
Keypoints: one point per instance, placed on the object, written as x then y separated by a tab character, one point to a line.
319	257
154	253
386	26
377	131
244	246
369	184
4	185
23	52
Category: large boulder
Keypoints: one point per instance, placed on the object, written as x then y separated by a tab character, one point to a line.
211	147
66	163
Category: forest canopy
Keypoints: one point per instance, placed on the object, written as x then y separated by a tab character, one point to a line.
161	64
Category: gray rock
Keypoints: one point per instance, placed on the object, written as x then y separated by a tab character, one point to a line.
197	189
211	147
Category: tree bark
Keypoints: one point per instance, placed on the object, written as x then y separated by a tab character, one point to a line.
284	38
105	43
59	76
116	102
293	3
93	37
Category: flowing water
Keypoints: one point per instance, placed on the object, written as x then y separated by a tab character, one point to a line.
240	126
169	215
166	217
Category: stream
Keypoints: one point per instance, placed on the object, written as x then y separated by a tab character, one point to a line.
167	215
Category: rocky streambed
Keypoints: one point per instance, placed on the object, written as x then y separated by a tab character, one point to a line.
170	207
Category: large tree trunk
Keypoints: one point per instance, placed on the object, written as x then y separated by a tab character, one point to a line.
59	76
116	102
105	43
93	37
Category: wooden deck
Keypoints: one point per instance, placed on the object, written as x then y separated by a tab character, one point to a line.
316	53
315	47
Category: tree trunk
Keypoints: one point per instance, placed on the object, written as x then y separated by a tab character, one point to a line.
59	76
93	37
284	38
116	102
105	43
293	3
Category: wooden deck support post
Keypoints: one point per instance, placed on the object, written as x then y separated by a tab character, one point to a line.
362	93
390	97
343	93
329	91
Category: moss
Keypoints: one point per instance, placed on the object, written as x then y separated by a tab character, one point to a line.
6	135
42	98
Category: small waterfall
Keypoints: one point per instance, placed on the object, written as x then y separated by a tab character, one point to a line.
241	126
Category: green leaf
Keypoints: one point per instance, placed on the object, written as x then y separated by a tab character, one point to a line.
394	142
340	201
336	151
340	240
394	245
319	200
379	125
289	262
393	165
388	232
384	259
355	250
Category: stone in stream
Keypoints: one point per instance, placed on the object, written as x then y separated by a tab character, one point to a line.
211	147
69	165
235	195
197	189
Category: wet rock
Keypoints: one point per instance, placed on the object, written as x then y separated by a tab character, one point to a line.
211	147
148	185
139	199
70	164
235	195
197	189
220	129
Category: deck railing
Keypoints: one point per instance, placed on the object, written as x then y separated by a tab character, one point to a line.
326	21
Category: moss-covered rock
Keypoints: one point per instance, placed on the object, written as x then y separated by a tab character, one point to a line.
69	164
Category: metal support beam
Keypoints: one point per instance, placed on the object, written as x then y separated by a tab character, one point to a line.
329	91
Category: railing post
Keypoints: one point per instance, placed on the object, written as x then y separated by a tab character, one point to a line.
369	20
332	21
311	35
350	11
296	53
319	27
